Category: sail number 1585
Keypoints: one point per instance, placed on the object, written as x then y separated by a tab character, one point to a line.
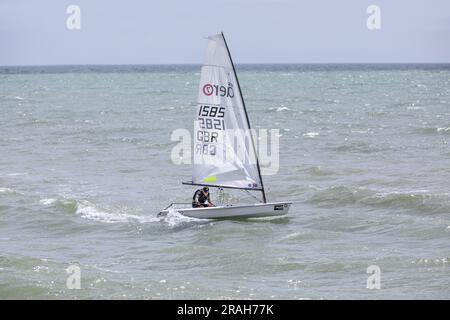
211	111
205	113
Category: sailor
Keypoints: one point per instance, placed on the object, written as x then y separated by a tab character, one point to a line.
201	198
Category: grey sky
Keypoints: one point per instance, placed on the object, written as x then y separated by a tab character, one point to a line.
172	31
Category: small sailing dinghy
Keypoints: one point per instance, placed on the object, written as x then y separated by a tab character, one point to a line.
224	148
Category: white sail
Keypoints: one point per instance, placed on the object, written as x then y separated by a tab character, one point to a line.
224	153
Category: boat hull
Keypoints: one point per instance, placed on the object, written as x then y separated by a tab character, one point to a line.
236	211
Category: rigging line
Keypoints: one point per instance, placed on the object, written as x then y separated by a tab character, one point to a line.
246	116
252	195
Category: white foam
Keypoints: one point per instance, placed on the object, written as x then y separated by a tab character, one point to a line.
443	129
89	211
411	192
174	218
18	98
47	202
270	218
311	134
105	269
291	236
6	190
41	268
282	109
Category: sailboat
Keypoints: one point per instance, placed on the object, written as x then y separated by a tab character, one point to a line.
224	147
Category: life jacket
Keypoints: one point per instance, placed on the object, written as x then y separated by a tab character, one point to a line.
200	197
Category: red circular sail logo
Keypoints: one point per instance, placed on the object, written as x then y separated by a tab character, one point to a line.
208	89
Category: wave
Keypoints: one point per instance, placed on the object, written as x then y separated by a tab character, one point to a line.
47	202
9	191
89	211
415	108
431	261
115	214
279	109
422	201
6	190
316	171
174	218
14	174
443	130
361	147
311	134
433	130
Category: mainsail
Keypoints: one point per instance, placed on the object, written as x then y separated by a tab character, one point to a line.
224	150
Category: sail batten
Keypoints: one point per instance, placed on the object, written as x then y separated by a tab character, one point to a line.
219	186
224	150
216	66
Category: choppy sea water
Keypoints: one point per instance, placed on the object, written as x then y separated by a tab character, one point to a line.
85	166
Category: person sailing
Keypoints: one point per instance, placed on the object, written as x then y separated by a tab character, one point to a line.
201	198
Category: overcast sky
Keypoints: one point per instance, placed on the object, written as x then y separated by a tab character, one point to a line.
34	32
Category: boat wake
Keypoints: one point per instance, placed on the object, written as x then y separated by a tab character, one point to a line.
110	215
173	218
114	214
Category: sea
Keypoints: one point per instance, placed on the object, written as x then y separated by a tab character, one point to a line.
85	166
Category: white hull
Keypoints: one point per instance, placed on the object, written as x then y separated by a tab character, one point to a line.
235	211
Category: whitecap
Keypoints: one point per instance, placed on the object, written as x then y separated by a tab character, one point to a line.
360	131
291	236
17	174
89	211
6	190
443	129
311	134
47	202
105	269
282	109
41	268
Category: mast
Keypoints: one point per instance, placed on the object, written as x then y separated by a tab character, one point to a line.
248	121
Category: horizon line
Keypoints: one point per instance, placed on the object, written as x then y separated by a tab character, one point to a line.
242	63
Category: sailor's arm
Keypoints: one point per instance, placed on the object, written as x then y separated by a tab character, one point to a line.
209	202
196	196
